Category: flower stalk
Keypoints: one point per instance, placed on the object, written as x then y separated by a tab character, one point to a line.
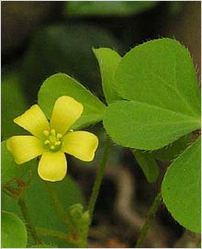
149	218
99	177
28	222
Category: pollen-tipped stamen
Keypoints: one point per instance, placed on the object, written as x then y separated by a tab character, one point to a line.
59	135
52	147
57	143
53	132
53	140
47	142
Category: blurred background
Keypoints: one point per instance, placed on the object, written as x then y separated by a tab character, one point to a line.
43	38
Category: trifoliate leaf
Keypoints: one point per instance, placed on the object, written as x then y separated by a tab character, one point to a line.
160	78
161	73
63	85
181	188
108	61
146	127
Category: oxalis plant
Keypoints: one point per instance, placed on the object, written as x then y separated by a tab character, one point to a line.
152	107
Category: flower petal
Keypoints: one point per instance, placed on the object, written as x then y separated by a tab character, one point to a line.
81	144
65	113
24	148
52	166
33	120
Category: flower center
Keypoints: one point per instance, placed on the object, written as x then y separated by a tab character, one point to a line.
52	140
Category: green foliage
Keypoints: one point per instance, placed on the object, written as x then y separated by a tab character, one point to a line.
108	61
153	104
161	100
14	234
122	8
13	104
171	151
61	84
147	164
48	205
142	126
181	188
9	169
160	73
162	106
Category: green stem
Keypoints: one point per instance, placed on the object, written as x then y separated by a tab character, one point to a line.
53	233
149	218
99	177
57	234
28	222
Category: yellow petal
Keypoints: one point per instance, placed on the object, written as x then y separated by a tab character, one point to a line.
24	148
33	120
65	113
81	144
52	166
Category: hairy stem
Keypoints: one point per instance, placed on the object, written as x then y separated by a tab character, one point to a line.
54	233
149	218
28	222
99	177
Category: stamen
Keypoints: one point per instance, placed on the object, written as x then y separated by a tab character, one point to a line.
46	133
52	147
53	140
47	142
59	135
53	132
57	143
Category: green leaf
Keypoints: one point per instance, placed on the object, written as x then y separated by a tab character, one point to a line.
160	73
60	85
145	127
112	8
159	77
13	104
148	165
41	205
14	234
9	169
171	151
181	188
108	61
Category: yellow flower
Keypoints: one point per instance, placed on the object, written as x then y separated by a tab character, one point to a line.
52	140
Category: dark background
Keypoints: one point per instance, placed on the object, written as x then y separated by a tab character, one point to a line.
43	38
